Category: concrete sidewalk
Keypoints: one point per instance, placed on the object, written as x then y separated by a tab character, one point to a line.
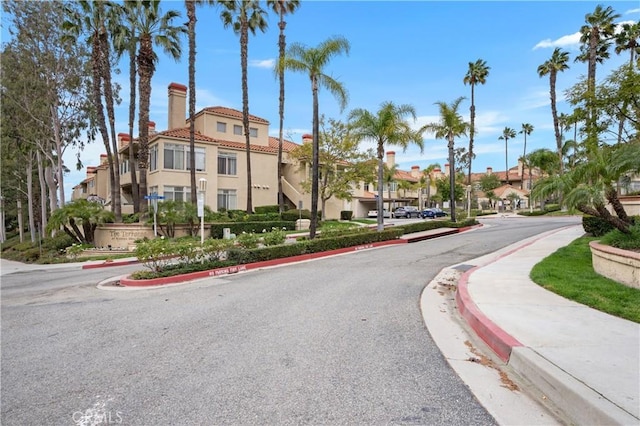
586	362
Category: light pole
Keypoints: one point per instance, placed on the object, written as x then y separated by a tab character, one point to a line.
468	201
202	189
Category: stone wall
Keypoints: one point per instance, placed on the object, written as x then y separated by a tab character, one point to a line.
619	265
124	235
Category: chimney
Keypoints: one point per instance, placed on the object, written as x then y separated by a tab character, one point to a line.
415	171
104	159
307	138
177	106
152	128
520	168
446	169
489	170
391	159
91	170
123	140
437	171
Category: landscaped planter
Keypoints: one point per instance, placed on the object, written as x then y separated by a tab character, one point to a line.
617	264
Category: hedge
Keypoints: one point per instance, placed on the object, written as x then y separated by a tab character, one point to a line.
311	246
255	227
596	226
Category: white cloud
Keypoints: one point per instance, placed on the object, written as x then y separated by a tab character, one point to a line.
536	99
632	11
262	63
570	41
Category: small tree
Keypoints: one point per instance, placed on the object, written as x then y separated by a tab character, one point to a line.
342	166
79	219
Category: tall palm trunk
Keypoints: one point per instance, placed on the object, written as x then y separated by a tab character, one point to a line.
114	161
191	25
244	47
380	200
145	70
506	159
472	130
315	159
554	113
133	161
281	47
452	178
96	62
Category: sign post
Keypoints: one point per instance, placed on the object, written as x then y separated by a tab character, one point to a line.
154	197
201	195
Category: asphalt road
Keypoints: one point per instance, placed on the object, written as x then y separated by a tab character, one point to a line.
337	340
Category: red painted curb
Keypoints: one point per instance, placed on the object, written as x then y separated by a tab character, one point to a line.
128	282
496	338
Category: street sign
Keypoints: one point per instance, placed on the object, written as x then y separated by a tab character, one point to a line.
154	197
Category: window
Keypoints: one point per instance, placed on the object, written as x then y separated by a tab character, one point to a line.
153	157
237	130
124	167
176	193
366	187
199	159
173	156
176	157
227	163
227	199
222	127
392	186
253	132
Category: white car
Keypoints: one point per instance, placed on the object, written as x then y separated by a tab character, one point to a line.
374	213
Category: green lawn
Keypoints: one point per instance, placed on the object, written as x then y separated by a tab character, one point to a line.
569	273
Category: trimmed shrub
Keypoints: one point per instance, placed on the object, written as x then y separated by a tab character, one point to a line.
60	242
296	214
552	208
247	227
346	215
596	226
267	209
630	241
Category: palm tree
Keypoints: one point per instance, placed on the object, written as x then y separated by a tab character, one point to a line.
450	126
389	126
526	131
627	39
476	74
595	37
244	16
281	7
557	63
388	177
507	133
312	61
153	28
426	179
590	186
93	18
126	40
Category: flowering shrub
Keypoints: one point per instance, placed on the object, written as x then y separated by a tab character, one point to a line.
154	254
276	237
75	250
215	249
248	240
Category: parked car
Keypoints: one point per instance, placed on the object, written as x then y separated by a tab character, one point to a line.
374	213
406	212
433	213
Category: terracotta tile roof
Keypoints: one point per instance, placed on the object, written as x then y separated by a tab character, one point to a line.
183	133
229	112
403	175
369	194
286	145
502	190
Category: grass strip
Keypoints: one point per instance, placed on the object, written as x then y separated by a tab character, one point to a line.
569	273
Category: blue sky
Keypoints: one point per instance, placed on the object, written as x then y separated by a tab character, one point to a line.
414	52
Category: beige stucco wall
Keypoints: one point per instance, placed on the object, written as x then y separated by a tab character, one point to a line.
619	265
123	236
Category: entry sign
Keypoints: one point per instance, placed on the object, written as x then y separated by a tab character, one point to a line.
201	204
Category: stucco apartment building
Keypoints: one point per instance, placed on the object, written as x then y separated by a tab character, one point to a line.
220	152
221	159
